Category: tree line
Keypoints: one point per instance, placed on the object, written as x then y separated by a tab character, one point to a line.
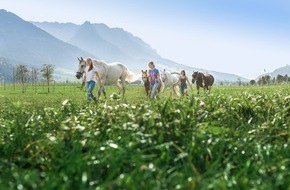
267	79
22	74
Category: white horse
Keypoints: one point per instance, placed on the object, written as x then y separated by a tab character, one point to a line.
170	79
114	73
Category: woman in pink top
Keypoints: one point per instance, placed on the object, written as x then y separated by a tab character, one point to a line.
154	78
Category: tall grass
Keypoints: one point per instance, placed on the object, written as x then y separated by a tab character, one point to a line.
239	139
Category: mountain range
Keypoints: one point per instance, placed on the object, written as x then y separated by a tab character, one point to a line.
280	71
60	44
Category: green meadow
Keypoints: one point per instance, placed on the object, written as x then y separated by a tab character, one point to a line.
236	137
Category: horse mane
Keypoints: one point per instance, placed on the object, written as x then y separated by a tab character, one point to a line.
175	73
101	65
100	62
199	78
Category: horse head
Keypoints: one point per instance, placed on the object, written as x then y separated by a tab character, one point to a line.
163	75
81	68
198	77
145	76
194	75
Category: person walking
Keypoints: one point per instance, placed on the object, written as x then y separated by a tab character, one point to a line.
154	78
183	79
90	76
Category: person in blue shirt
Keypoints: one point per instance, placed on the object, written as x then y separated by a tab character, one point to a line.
154	78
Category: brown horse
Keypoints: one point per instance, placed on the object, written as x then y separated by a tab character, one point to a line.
202	80
145	79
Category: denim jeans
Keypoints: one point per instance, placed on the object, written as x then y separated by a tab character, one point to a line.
154	90
182	89
90	87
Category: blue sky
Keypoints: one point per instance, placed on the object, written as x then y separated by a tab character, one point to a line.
242	37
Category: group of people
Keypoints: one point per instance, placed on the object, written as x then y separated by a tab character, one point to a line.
91	76
154	77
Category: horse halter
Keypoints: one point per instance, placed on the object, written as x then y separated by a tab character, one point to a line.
80	74
195	75
164	78
145	77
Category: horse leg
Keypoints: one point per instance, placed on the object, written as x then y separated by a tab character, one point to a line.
119	86
150	90
174	90
100	92
159	88
162	86
102	89
206	88
146	89
122	87
209	88
104	92
171	90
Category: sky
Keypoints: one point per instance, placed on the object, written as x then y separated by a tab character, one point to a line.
243	37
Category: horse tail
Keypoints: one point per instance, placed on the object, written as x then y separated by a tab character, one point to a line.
130	76
212	81
209	80
176	73
177	90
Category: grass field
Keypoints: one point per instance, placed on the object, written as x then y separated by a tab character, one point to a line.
239	139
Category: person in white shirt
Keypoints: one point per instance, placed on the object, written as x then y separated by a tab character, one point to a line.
90	76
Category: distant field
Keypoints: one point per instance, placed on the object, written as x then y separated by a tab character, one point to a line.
238	139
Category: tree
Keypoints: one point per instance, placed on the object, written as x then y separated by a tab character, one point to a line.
2	79
286	78
274	80
267	79
22	75
262	81
34	76
252	82
47	71
239	81
279	78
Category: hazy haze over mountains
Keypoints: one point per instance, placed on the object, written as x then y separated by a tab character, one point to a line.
24	42
280	71
38	43
129	49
